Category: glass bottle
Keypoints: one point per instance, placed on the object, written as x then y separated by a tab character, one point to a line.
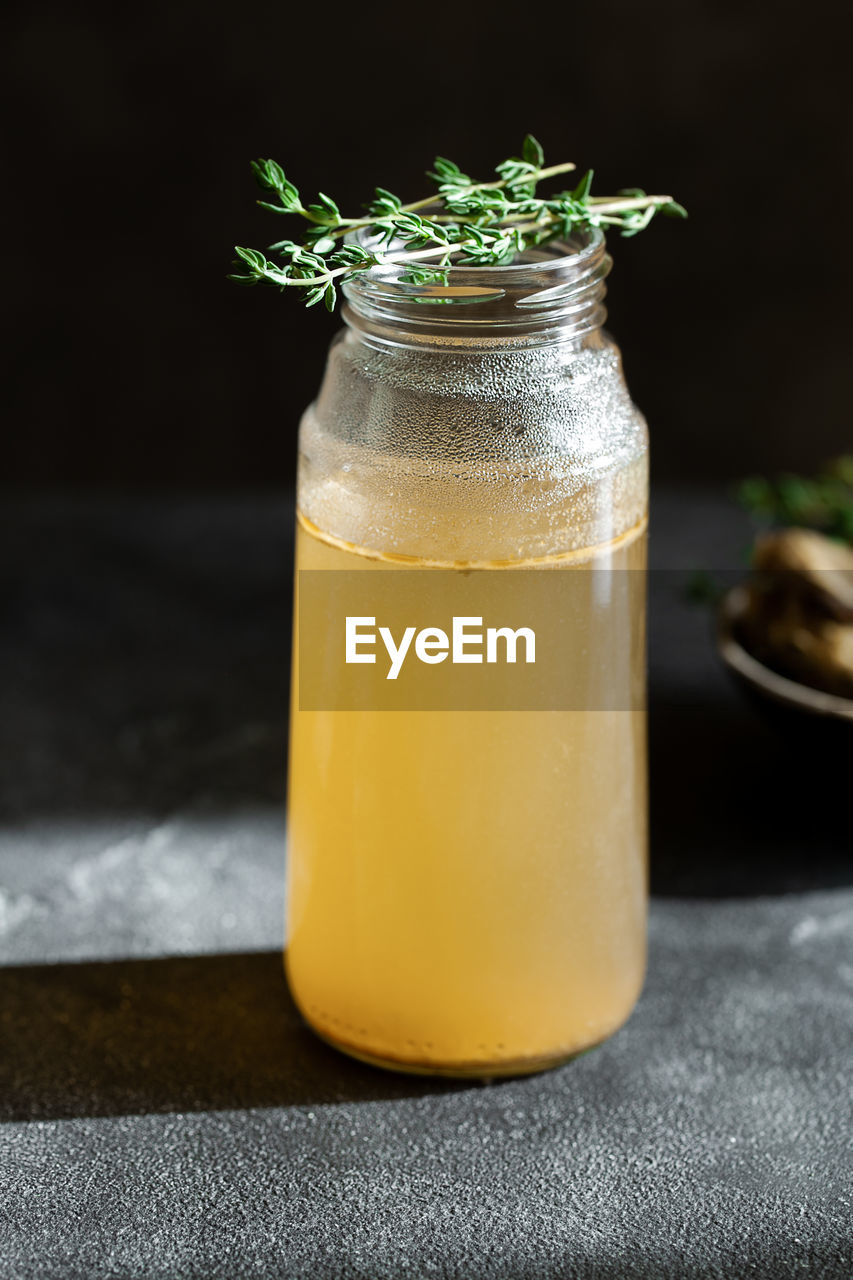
467	889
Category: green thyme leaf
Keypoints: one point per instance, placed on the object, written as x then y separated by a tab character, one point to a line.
532	152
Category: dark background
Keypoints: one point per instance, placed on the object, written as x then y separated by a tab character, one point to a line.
134	365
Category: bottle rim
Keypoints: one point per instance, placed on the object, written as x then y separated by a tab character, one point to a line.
558	287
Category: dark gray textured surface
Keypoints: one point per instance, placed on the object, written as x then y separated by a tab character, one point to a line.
165	1112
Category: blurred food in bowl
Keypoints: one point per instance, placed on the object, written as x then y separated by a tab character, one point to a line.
798	618
786	633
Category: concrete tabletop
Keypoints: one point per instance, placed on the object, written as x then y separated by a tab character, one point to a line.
164	1111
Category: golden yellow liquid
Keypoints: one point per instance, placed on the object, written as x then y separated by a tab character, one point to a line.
467	890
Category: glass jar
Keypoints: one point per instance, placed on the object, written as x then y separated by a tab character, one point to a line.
467	888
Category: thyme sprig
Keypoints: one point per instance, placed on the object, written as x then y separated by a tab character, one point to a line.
470	223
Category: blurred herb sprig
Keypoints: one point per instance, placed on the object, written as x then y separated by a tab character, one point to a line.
823	502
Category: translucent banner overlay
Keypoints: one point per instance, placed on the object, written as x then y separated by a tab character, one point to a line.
471	640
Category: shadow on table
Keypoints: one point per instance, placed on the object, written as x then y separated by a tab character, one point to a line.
198	1033
738	809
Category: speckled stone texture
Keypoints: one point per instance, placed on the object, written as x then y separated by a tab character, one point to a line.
165	1113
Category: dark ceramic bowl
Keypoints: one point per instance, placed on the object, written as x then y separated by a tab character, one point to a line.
810	714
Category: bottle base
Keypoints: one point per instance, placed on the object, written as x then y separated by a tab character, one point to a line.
484	1071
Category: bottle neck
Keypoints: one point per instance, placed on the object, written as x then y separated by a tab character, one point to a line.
552	294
